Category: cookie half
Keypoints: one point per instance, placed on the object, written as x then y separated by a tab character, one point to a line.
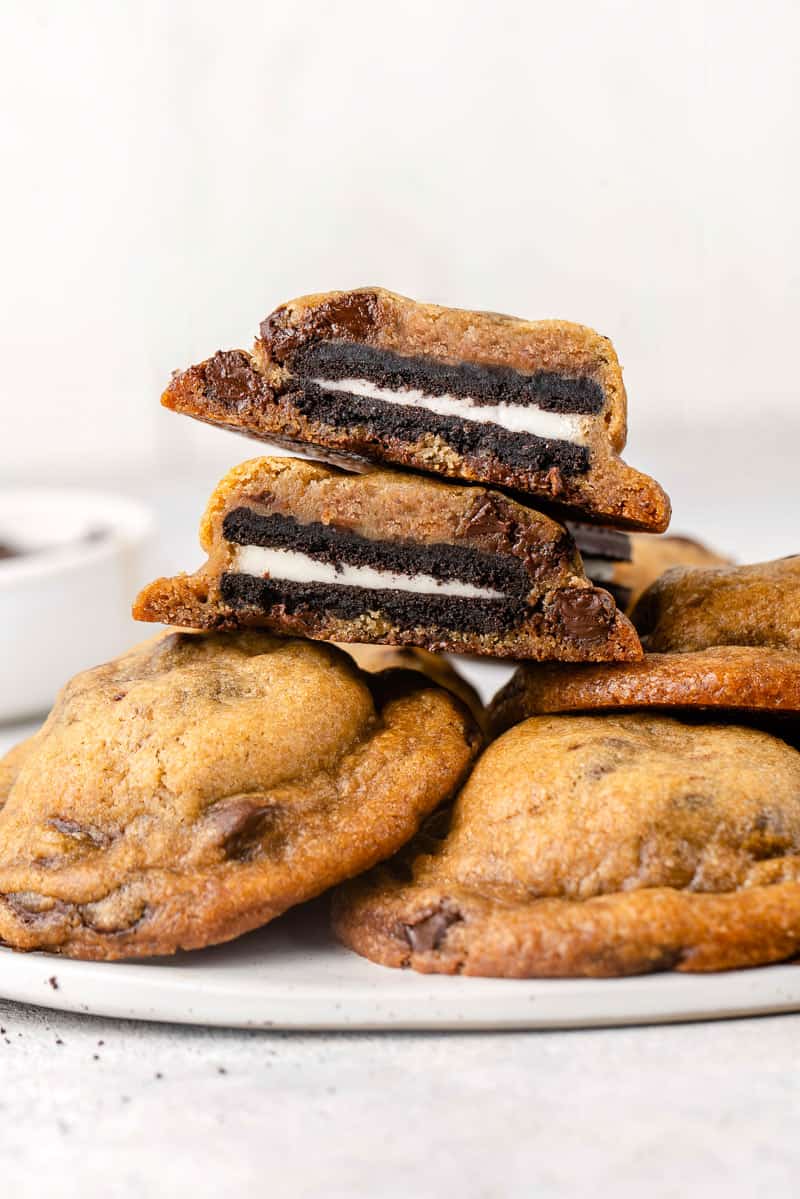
597	846
537	406
691	608
728	679
202	784
387	557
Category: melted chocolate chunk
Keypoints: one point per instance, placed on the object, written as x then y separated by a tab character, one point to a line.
87	834
231	381
429	933
467	438
482	384
325	543
351	315
584	615
242	825
408	609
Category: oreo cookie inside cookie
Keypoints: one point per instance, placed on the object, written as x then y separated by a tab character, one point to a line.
279	561
534	421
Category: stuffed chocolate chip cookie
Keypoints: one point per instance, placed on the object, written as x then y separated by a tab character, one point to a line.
386	557
537	406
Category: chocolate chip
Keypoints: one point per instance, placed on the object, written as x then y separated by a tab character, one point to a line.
346	317
229	378
491	520
85	833
429	932
240	824
584	614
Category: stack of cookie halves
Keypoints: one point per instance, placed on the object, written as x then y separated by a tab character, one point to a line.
213	777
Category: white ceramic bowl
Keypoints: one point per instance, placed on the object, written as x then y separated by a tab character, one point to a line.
65	600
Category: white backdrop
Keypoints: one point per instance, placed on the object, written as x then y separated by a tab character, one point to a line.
172	171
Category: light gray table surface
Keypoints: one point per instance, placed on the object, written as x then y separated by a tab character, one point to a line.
91	1107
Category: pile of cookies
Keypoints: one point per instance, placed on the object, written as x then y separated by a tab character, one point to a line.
629	802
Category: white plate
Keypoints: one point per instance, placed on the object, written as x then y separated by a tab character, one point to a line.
292	975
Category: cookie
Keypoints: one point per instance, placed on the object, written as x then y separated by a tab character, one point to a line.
202	784
597	846
388	557
650	557
728	679
436	667
627	563
536	406
693	608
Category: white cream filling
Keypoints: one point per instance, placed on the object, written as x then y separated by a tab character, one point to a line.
293	567
516	418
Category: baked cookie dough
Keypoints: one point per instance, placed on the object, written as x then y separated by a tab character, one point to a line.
536	406
692	608
597	846
651	556
733	680
436	667
387	557
202	784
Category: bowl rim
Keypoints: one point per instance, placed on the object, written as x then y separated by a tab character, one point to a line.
129	524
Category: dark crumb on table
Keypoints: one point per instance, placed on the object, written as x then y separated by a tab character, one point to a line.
53	982
159	1074
221	1070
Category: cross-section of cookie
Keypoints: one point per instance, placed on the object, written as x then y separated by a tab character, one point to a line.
535	406
693	608
387	557
727	682
202	784
597	846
